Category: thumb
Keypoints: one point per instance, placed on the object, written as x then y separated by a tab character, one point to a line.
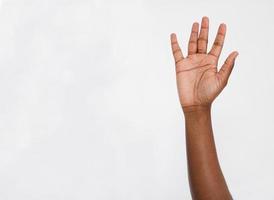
227	67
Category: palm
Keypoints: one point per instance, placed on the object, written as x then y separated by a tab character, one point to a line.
198	79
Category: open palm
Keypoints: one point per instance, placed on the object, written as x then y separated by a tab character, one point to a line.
198	80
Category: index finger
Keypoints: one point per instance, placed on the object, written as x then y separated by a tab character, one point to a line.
219	42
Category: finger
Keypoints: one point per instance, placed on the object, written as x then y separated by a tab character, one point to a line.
176	50
227	67
219	42
203	36
192	44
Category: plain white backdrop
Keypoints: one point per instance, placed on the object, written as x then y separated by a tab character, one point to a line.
89	107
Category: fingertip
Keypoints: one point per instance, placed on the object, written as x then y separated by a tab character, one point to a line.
236	56
195	26
205	21
205	18
237	53
222	27
172	36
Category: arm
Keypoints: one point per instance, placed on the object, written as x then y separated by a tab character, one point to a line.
205	175
199	82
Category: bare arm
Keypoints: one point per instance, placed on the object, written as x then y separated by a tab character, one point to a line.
205	176
199	82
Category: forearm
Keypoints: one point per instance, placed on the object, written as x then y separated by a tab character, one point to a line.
205	175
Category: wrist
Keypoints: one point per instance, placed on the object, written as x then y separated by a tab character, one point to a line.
196	108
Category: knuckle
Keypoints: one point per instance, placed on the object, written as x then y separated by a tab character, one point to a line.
192	42
178	50
179	60
191	52
203	40
218	43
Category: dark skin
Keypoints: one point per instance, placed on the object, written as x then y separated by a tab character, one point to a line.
199	82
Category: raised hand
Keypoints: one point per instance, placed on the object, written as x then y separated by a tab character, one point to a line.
198	80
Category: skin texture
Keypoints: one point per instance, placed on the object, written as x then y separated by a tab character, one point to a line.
199	82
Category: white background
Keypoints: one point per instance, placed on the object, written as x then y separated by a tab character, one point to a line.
89	107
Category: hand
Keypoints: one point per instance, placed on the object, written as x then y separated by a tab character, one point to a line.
198	80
